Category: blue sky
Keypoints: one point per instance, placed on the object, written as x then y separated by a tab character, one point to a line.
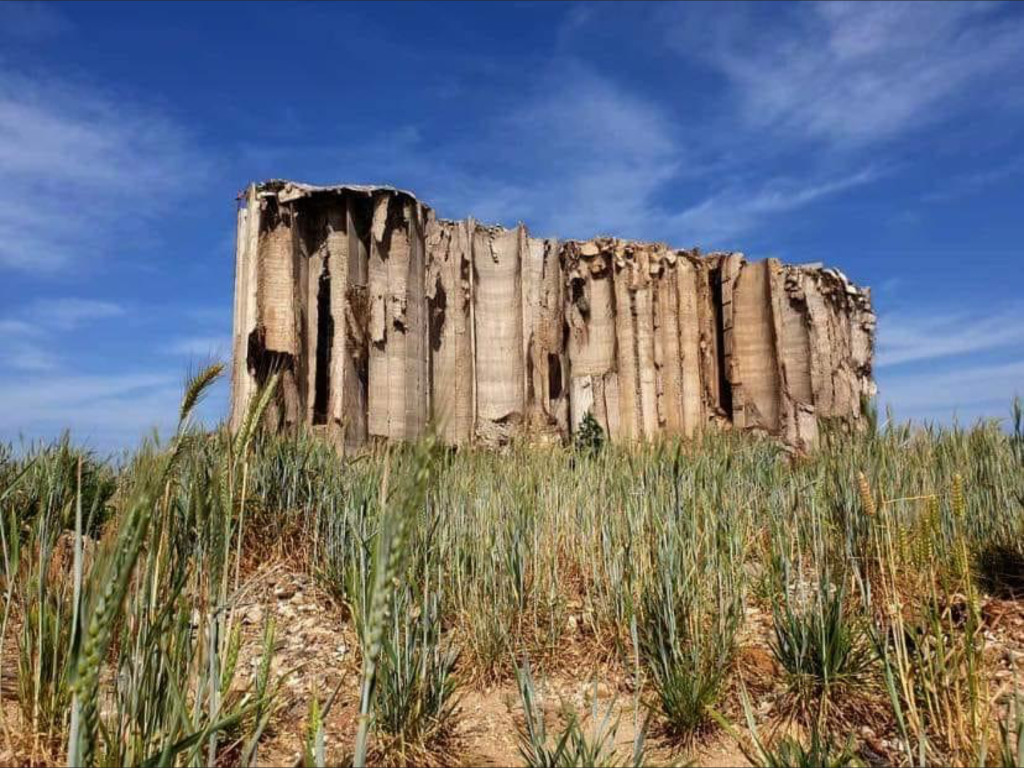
886	140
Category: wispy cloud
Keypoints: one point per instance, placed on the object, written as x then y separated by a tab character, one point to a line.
43	396
575	155
68	313
927	335
44	389
22	349
74	159
605	153
28	337
972	183
579	154
15	328
214	347
718	219
582	155
104	411
970	391
854	73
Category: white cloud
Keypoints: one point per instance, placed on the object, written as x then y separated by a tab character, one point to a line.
106	411
575	155
580	154
971	391
42	395
10	328
971	183
28	339
96	406
905	338
65	314
721	217
601	154
214	347
81	167
853	73
22	346
26	355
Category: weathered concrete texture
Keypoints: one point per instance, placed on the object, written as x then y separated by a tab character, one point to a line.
382	318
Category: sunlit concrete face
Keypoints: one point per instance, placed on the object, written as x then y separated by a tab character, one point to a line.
383	318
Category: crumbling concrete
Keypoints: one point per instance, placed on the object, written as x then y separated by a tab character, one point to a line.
382	318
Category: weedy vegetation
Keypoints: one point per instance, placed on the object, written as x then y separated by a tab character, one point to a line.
867	574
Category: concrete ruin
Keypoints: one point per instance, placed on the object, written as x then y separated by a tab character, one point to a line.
383	318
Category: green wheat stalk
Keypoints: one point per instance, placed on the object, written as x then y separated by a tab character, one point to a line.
195	387
409	499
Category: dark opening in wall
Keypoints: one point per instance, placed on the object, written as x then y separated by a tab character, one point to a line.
724	385
263	363
324	342
438	306
579	297
554	377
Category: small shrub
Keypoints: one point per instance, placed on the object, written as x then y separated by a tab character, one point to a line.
690	617
590	436
821	645
576	745
416	701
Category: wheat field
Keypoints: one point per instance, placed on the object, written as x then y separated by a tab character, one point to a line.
590	604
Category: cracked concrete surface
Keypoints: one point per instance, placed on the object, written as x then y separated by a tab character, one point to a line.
383	317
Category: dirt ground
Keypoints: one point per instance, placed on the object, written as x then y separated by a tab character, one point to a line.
317	641
316	653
